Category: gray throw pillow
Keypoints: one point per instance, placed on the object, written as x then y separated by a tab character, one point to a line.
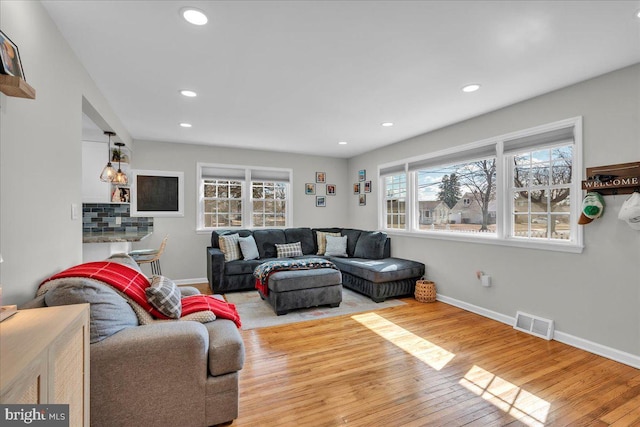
370	245
248	248
336	246
289	250
108	312
165	296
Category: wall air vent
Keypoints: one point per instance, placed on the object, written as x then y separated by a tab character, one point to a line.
534	325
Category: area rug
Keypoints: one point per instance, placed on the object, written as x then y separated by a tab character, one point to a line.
257	313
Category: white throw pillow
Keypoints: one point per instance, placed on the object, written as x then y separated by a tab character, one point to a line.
336	246
322	240
249	248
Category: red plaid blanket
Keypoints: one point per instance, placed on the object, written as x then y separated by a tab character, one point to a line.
133	284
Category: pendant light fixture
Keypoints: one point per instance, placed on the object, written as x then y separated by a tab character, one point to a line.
108	173
121	177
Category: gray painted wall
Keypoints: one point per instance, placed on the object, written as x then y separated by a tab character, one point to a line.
40	154
185	257
594	295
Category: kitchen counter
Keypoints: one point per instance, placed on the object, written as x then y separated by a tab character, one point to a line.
114	237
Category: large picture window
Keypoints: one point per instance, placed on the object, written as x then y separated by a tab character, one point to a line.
519	189
243	197
460	197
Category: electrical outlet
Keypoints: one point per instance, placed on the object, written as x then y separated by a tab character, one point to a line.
118	220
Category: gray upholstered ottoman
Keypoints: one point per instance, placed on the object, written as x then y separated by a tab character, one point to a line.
294	289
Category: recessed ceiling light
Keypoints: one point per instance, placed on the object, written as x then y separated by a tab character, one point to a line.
387	124
638	13
471	88
188	93
185	125
194	16
342	143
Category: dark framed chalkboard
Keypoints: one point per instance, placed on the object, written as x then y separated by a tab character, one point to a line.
157	193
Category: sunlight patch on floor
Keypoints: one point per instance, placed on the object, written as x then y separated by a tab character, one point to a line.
429	353
510	398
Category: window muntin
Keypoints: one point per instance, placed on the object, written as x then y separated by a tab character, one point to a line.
222	203
269	201
541	193
395	201
458	197
242	197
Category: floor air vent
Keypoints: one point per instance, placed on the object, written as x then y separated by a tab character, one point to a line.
534	325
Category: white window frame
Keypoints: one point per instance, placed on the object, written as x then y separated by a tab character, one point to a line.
247	207
504	219
407	209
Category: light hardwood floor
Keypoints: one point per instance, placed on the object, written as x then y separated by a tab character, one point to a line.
427	365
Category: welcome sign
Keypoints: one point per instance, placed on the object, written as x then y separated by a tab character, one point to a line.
623	178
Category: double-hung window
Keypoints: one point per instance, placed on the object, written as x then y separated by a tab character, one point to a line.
269	198
394	209
540	175
242	196
520	189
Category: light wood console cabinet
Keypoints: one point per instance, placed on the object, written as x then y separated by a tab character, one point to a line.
44	358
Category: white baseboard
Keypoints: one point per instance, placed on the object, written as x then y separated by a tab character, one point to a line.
478	310
184	282
581	343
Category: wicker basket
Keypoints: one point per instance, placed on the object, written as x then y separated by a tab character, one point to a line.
425	291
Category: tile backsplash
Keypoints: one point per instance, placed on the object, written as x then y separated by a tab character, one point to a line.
101	217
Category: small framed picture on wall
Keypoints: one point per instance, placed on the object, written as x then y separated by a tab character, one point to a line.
321	201
321	177
331	189
362	175
363	199
309	188
356	188
367	186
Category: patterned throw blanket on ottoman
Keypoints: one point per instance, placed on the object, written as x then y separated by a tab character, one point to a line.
264	270
133	284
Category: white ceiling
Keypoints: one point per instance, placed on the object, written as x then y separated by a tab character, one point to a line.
299	76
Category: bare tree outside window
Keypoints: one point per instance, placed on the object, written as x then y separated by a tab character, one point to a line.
480	178
458	197
542	190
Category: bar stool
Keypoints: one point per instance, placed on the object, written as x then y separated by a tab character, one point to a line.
150	256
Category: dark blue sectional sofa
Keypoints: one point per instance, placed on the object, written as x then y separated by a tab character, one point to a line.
373	273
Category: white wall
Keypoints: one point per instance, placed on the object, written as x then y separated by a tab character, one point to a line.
594	295
40	154
185	255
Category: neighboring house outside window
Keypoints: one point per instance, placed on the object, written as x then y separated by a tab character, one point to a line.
520	189
242	197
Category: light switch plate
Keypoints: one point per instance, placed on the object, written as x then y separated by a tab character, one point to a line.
74	211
